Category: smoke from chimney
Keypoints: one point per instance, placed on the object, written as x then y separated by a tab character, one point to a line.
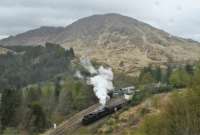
101	81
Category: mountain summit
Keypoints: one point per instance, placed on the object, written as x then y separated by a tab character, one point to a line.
120	41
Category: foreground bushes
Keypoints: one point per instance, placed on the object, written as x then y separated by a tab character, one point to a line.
179	116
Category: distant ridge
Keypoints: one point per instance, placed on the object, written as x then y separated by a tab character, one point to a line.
37	36
120	41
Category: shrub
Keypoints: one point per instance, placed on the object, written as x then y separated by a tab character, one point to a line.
138	97
180	78
38	121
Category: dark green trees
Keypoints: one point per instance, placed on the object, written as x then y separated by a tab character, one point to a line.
34	64
10	102
151	75
179	78
37	119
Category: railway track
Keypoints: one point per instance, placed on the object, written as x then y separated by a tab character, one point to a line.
75	121
71	122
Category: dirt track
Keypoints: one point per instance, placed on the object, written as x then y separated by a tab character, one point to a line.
75	121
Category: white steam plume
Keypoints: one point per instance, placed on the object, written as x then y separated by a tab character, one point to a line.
102	84
101	81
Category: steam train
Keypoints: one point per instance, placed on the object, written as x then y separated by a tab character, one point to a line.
128	93
97	115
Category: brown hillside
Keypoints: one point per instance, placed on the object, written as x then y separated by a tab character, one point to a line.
122	42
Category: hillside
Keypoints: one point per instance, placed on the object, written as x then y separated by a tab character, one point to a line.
39	87
29	65
33	37
122	42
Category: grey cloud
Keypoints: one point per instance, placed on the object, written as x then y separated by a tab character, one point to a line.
178	17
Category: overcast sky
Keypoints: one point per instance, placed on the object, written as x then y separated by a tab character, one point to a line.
179	17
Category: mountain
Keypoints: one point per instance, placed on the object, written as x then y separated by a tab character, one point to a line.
33	37
124	43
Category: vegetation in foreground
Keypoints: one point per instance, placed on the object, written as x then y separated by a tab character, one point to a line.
180	115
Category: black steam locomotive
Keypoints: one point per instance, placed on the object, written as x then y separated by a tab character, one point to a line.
96	115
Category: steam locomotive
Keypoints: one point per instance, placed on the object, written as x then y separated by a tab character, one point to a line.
97	115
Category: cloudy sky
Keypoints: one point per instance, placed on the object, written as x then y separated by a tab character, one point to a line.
179	17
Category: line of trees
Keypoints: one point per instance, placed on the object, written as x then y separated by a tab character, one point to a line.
178	77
